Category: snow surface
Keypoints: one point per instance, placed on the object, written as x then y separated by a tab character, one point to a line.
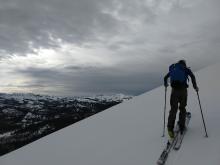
130	133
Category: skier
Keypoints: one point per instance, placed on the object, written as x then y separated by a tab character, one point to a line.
178	74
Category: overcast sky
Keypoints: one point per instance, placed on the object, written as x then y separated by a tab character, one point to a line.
86	47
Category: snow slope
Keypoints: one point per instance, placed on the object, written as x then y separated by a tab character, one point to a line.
130	133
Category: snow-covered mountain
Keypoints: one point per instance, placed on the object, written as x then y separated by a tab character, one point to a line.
130	133
25	118
31	96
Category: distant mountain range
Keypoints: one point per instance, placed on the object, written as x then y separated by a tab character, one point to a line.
25	118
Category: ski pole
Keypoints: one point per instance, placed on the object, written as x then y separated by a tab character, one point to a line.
164	114
206	135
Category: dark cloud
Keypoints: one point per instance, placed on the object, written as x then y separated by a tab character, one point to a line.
27	24
77	68
108	81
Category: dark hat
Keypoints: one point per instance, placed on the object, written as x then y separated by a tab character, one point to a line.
183	62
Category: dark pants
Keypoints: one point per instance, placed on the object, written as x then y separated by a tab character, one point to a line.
178	99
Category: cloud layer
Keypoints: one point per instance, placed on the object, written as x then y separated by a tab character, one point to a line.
73	47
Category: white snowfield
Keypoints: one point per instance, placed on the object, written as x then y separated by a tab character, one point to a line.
130	133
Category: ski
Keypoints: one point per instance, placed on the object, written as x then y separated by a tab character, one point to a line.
163	157
180	137
170	143
175	143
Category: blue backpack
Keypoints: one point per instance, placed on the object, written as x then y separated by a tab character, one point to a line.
178	73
